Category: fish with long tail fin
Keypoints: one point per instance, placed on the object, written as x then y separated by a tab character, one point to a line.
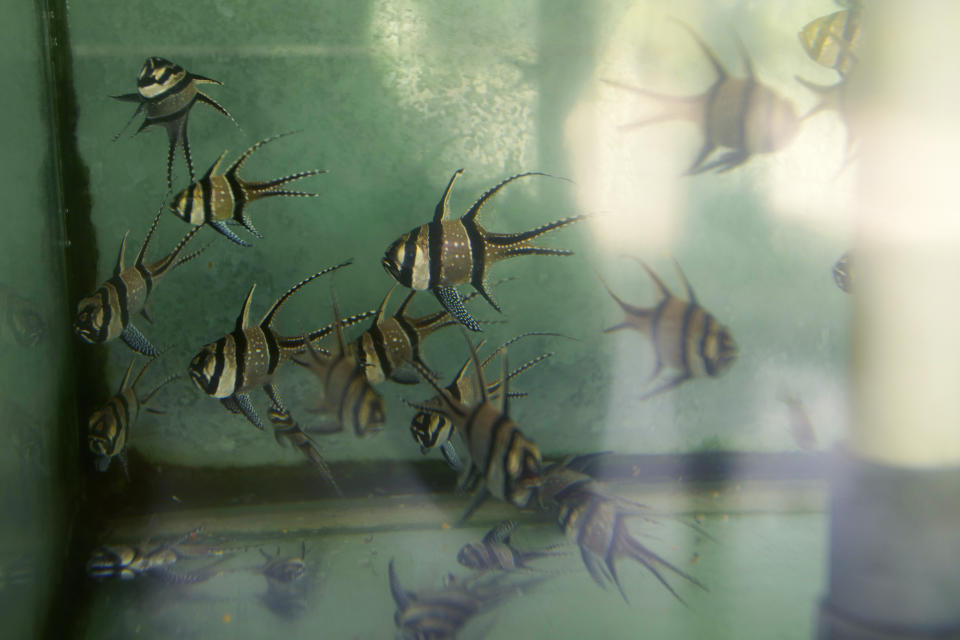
166	92
685	336
106	315
126	562
444	253
432	430
508	462
215	199
596	522
440	615
248	357
346	395
390	343
495	552
740	114
109	426
285	428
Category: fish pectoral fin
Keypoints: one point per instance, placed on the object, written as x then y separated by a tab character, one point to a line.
132	337
146	315
487	292
726	162
222	228
450	298
705	151
669	384
449	453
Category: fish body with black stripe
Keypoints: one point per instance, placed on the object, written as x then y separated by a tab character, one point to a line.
346	396
495	552
441	614
106	315
166	92
445	253
286	429
684	335
508	462
833	40
596	522
248	357
126	562
109	426
739	114
216	199
432	430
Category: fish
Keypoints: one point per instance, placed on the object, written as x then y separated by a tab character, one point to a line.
166	92
496	553
248	357
105	315
22	317
800	427
216	199
346	394
739	114
685	336
596	522
389	344
833	40
843	273
508	461
444	253
439	615
432	430
287	590
126	562
109	426
285	428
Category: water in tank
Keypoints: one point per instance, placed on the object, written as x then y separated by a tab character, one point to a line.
419	319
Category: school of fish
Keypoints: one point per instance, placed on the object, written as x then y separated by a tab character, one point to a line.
469	419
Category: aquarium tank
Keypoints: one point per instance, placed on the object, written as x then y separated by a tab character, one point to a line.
534	318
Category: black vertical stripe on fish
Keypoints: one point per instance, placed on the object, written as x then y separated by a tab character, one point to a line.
434	251
409	256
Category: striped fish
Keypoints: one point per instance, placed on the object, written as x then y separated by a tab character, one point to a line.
249	356
287	591
444	253
284	570
346	394
126	562
508	461
105	315
215	199
685	336
165	93
833	40
109	426
595	521
389	344
496	553
439	615
285	428
739	114
431	430
843	272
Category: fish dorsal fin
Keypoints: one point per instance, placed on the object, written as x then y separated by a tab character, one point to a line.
146	240
337	326
268	317
442	206
244	316
691	297
143	370
656	279
126	376
246	154
478	370
745	56
402	309
452	406
471	213
500	534
711	56
213	168
377	319
117	270
400	597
